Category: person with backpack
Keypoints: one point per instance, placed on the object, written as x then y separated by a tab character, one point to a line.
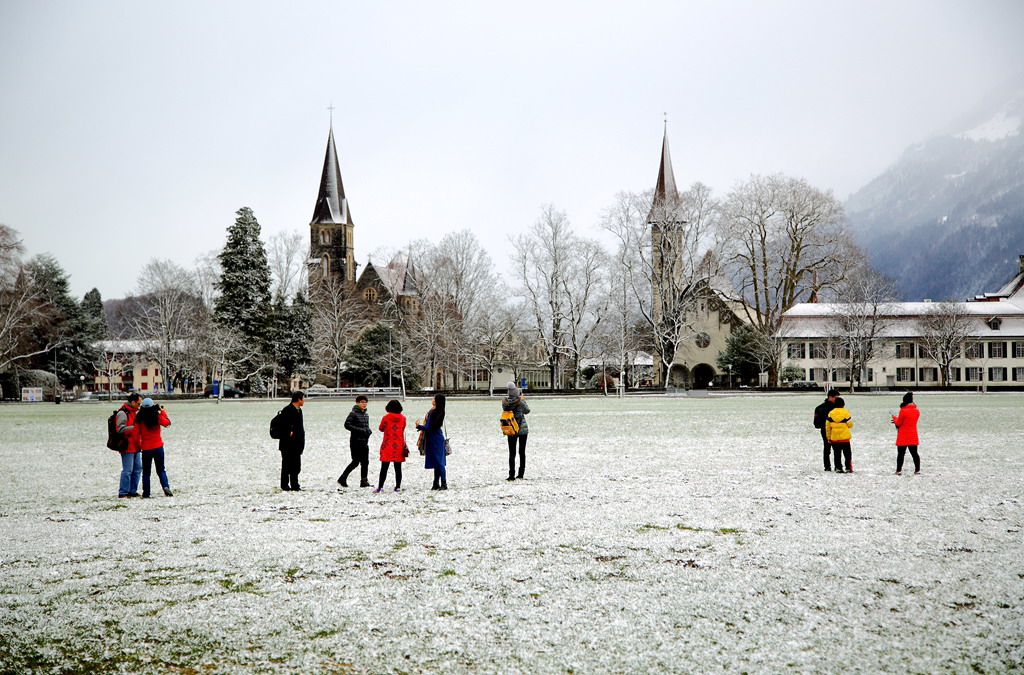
131	457
433	442
358	425
837	427
906	433
514	403
292	441
393	449
820	413
148	421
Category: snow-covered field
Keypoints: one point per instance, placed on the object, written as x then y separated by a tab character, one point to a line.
651	535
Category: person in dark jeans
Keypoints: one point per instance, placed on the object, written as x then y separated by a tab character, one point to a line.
292	442
358	425
820	414
515	404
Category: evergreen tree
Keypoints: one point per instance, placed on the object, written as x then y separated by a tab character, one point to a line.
93	318
744	351
243	307
62	323
244	284
376	355
289	337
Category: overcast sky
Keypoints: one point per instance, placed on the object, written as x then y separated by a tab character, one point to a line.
133	130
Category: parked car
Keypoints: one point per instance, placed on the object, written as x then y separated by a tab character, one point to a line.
210	391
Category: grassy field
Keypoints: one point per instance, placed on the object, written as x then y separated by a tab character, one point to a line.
651	535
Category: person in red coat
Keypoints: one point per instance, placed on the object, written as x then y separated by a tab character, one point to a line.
906	433
148	422
393	449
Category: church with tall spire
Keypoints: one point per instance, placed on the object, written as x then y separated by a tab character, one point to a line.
331	244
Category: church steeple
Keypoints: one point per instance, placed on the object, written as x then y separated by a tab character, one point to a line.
332	249
331	204
665	189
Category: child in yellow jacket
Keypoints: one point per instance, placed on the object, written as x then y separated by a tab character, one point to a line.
837	428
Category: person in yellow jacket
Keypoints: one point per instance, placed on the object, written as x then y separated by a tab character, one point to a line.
837	427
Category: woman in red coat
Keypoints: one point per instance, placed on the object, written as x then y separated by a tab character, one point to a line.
148	422
906	433
392	447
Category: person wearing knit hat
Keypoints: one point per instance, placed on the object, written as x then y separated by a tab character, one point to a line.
515	404
148	421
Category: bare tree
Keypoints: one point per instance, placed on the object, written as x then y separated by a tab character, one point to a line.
24	313
491	334
859	323
586	300
669	247
287	253
944	331
786	242
337	320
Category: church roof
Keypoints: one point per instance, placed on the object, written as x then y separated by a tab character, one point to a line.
665	188
399	276
331	204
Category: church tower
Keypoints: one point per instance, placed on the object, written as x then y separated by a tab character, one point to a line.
331	247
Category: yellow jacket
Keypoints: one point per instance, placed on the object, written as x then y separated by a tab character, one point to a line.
838	425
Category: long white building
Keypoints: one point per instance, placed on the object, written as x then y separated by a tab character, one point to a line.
992	357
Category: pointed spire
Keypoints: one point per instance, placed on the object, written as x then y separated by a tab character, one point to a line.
331	205
665	188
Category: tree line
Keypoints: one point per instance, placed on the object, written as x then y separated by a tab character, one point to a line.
563	302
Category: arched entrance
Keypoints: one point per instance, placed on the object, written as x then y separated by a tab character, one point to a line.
679	376
703	374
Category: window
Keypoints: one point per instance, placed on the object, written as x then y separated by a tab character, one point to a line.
904	374
842	352
1018	374
904	350
370	295
145	386
929	375
325	265
954	374
997	374
325	237
995	322
997	350
819	350
974	373
156	372
924	352
842	374
871	375
1018	350
703	340
145	371
974	350
819	374
795	350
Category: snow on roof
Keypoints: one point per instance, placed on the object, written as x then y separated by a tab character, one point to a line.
906	326
1003	307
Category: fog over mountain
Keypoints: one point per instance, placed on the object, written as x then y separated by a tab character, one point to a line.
947	218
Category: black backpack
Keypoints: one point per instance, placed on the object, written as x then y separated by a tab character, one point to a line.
115	440
277	426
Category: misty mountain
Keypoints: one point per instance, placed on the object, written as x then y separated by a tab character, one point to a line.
947	219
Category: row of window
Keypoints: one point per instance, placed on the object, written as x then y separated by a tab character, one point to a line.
923	375
906	350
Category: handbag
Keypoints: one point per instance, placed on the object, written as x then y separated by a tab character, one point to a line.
447	445
421	445
405	449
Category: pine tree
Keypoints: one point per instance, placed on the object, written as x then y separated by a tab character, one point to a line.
243	307
244	284
93	318
289	340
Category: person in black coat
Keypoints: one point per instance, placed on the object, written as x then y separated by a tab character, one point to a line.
820	413
358	425
292	442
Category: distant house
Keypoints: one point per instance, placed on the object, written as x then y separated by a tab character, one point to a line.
993	356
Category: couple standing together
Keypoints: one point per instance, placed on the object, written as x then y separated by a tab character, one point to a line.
138	422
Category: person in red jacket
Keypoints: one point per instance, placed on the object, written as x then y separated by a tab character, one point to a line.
392	448
906	433
148	422
131	457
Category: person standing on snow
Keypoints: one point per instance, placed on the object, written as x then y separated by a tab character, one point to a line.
837	427
515	404
393	449
131	457
293	442
906	433
433	442
820	413
148	421
358	425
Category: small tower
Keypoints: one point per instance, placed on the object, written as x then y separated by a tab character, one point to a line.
331	246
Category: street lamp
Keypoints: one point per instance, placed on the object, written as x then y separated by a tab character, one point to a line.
730	374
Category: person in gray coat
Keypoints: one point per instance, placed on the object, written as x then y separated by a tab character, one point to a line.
515	404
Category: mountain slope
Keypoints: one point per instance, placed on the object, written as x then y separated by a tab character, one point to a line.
947	219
